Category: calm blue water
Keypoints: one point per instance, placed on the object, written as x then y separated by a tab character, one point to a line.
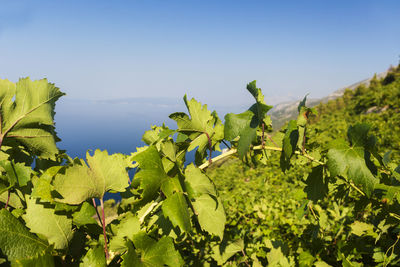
116	126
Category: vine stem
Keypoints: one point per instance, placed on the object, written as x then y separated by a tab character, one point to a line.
209	147
262	138
357	189
8	199
394	215
245	260
260	147
97	212
228	146
104	228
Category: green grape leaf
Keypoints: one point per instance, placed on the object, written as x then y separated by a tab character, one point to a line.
84	215
289	143
156	134
260	106
16	242
244	125
353	160
102	174
222	253
14	201
306	259
200	124
42	220
17	173
176	209
276	258
211	214
151	172
156	253
316	188
128	226
43	260
42	186
29	119
131	258
360	228
94	257
290	139
197	183
206	204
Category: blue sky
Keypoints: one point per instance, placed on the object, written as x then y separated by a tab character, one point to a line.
207	49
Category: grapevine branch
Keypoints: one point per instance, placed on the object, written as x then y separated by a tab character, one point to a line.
260	147
217	158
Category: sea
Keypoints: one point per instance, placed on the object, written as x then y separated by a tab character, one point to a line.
115	125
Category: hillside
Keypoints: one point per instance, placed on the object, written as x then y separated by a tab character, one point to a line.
281	217
283	112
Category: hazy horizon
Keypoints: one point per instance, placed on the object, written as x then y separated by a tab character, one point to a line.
208	50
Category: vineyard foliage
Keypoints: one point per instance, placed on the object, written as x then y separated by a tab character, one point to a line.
324	190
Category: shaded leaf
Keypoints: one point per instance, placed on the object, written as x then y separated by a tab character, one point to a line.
176	209
16	173
44	222
316	188
151	173
156	253
84	215
128	226
223	252
16	242
95	257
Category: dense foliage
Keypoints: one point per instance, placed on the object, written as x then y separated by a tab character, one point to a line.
308	216
323	196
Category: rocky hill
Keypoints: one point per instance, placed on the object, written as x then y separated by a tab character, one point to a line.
283	112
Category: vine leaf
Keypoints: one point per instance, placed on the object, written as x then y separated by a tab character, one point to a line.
42	186
29	119
57	229
176	209
95	257
85	215
245	125
352	160
102	173
226	250
289	144
43	260
316	187
302	120
199	126
17	173
16	242
128	226
151	172
205	202
153	253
